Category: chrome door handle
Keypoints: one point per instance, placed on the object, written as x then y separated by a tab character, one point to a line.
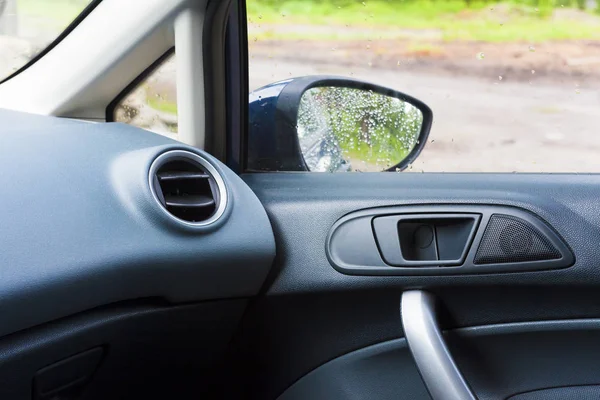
426	343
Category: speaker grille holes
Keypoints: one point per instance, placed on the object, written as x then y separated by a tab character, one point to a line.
511	240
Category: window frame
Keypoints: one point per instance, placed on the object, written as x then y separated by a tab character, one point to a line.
134	84
237	88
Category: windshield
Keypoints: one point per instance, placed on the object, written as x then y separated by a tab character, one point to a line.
27	27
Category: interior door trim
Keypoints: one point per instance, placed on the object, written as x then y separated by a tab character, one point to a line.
353	248
436	366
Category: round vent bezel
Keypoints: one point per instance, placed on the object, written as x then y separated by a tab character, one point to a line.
184	155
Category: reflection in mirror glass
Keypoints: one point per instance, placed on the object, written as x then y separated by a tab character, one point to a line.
346	129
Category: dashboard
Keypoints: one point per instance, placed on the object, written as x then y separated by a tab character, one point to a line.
84	229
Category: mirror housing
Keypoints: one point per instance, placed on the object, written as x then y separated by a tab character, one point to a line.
273	137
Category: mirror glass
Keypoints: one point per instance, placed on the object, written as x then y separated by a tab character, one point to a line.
343	129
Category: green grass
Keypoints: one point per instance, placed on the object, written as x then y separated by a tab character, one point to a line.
530	30
162	105
451	18
354	13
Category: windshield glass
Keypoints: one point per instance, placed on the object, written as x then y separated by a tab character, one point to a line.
27	27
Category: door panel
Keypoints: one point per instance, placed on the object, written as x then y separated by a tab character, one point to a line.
311	313
499	361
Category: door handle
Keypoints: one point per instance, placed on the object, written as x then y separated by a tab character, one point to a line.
425	240
428	348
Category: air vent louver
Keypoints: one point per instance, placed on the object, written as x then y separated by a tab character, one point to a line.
186	188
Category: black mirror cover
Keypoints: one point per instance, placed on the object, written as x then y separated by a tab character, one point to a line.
273	143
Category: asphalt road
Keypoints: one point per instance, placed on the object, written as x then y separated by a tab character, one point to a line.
485	125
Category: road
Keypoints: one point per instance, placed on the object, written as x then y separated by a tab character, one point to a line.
484	125
480	124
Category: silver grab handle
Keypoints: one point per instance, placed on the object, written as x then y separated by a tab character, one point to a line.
436	366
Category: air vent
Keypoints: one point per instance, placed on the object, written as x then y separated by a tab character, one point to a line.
188	187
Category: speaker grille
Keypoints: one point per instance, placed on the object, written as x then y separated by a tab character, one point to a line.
511	240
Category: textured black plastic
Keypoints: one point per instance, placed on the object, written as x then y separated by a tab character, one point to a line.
511	240
152	351
453	236
497	361
311	313
385	371
456	226
562	393
417	241
186	190
341	250
67	376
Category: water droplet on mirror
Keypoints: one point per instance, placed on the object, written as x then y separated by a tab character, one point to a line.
500	78
480	56
532	49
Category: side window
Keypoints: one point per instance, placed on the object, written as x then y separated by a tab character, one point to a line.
152	104
512	84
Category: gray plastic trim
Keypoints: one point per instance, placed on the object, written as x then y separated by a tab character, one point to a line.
436	366
175	155
386	233
81	227
349	251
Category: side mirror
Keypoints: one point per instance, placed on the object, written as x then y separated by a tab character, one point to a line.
331	124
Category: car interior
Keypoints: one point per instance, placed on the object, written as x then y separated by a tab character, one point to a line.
135	266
